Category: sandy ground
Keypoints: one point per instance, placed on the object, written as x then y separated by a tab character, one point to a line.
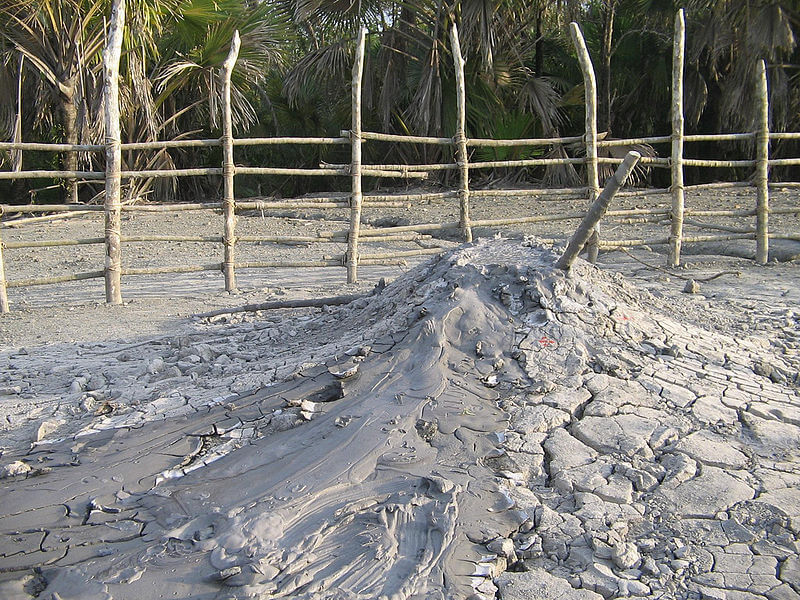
642	441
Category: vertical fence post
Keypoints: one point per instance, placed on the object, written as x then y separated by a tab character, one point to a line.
460	139
590	86
113	219
762	168
229	170
3	292
676	164
355	161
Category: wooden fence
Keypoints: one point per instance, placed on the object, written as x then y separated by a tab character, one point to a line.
355	137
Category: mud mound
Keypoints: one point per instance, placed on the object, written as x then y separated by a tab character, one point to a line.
484	416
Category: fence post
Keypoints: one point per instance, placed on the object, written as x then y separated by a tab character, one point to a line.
229	170
762	168
676	164
355	161
113	220
460	138
3	292
590	86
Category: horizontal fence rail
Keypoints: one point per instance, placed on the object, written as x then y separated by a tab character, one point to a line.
676	217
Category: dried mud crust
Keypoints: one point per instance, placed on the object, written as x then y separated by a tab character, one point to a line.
486	426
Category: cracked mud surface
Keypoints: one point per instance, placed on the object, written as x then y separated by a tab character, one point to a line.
487	426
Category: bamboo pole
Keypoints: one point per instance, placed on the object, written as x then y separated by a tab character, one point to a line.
676	168
45	147
95	175
169	270
460	138
3	293
785	136
720	185
113	217
784	162
355	164
660	139
488	143
57	279
590	138
762	168
272	141
53	243
596	212
722	164
718	137
646	160
229	170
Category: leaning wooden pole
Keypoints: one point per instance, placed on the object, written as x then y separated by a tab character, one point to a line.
113	219
355	161
762	168
590	138
597	210
460	138
676	164
229	170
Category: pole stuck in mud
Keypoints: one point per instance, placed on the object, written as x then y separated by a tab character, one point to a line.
762	167
229	170
356	195
590	137
3	292
676	164
113	204
460	138
597	210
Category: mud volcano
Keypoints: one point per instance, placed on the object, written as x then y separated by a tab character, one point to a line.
487	426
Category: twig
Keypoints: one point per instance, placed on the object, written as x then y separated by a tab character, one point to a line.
673	274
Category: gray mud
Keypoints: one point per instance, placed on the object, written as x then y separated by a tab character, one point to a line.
487	426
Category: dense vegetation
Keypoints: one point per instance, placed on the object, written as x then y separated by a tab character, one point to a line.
293	76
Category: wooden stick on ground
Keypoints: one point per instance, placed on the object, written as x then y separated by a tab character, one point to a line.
597	210
229	170
113	217
278	304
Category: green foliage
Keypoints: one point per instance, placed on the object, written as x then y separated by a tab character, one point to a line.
294	69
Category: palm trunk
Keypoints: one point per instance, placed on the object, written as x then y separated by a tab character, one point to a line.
607	34
69	115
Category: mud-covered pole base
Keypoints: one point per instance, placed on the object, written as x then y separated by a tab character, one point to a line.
3	293
597	210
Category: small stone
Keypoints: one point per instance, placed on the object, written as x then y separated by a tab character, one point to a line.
15	468
502	547
47	427
155	366
625	555
691	287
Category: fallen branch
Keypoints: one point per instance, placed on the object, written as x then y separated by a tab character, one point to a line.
673	274
280	304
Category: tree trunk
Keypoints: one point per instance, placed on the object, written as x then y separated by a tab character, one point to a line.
606	36
69	115
538	62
